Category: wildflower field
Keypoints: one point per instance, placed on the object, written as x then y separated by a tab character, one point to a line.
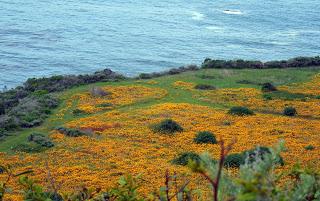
120	138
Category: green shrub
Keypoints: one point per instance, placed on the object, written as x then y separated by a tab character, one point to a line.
205	137
167	126
249	156
41	140
290	111
268	87
71	132
234	160
240	111
184	158
309	147
204	87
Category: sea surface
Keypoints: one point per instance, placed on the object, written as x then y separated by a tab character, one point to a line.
44	37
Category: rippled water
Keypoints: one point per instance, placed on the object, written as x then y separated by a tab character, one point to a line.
42	37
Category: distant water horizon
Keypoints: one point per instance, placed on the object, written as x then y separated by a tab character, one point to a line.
44	38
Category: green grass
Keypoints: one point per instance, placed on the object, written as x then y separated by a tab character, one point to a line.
220	78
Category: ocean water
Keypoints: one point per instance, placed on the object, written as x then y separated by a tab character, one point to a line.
41	37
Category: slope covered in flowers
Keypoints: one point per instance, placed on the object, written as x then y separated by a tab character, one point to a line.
122	142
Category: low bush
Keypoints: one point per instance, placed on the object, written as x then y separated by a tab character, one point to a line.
234	160
184	158
41	140
240	111
71	132
205	137
167	126
268	87
309	147
237	159
204	87
290	111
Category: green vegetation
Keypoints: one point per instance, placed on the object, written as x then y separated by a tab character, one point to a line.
268	87
240	111
220	78
205	137
71	132
204	87
290	111
167	126
184	158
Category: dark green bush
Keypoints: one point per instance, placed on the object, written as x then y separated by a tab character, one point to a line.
268	87
290	111
238	159
167	126
309	147
204	87
205	137
71	132
184	158
240	111
40	139
234	160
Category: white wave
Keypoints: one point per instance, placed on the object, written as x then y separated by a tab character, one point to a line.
215	28
233	12
197	16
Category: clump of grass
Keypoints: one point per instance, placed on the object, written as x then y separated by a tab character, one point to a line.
167	126
240	111
184	158
205	87
205	137
290	111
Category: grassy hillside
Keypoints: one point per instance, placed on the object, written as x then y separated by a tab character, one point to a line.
121	139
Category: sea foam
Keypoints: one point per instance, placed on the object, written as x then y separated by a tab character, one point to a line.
197	15
233	12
